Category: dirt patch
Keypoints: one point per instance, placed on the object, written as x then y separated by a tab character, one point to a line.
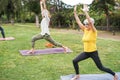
109	35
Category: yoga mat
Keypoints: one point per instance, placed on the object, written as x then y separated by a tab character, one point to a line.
105	76
45	51
7	38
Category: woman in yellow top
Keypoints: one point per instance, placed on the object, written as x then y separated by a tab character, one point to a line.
89	41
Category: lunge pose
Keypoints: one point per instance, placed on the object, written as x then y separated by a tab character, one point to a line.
45	33
89	41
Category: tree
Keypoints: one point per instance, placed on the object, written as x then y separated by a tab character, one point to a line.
10	8
34	6
106	6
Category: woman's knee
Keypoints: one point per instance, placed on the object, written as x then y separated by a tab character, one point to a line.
33	39
101	68
74	61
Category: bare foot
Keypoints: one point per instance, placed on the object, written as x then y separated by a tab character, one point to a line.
31	51
76	77
115	77
65	49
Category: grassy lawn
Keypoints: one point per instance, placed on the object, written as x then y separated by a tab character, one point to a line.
14	66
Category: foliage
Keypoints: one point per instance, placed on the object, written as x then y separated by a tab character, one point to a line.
106	6
115	21
62	14
60	18
10	8
34	6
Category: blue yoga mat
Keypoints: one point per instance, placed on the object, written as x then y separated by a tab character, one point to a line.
46	51
91	76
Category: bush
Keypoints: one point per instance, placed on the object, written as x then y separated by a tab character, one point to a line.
115	21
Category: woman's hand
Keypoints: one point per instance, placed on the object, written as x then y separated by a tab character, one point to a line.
77	18
41	2
75	8
85	8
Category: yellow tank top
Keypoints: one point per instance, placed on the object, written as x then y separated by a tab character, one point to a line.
89	40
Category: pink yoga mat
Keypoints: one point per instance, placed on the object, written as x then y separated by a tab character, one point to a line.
45	51
7	38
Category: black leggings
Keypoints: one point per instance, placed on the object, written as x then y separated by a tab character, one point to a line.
96	59
2	32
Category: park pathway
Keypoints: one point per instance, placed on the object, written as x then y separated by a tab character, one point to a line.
101	34
109	35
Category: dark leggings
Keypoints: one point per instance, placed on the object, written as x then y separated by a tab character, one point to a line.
96	59
2	32
46	37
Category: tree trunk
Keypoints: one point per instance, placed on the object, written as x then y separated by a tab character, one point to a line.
73	24
107	20
37	20
59	24
12	21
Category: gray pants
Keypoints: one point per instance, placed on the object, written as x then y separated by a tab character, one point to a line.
46	37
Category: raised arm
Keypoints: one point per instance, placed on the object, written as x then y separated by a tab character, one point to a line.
41	5
91	25
78	20
44	4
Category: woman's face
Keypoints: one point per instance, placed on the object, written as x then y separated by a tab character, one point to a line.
87	26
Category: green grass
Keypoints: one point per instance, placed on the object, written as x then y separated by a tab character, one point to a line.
14	66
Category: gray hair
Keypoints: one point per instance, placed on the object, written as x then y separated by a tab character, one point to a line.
86	21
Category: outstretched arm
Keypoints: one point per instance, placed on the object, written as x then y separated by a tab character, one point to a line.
88	18
44	4
78	20
41	5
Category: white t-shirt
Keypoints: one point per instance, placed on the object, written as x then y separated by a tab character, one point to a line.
45	22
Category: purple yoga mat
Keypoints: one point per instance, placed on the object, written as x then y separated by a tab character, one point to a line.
45	51
7	38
